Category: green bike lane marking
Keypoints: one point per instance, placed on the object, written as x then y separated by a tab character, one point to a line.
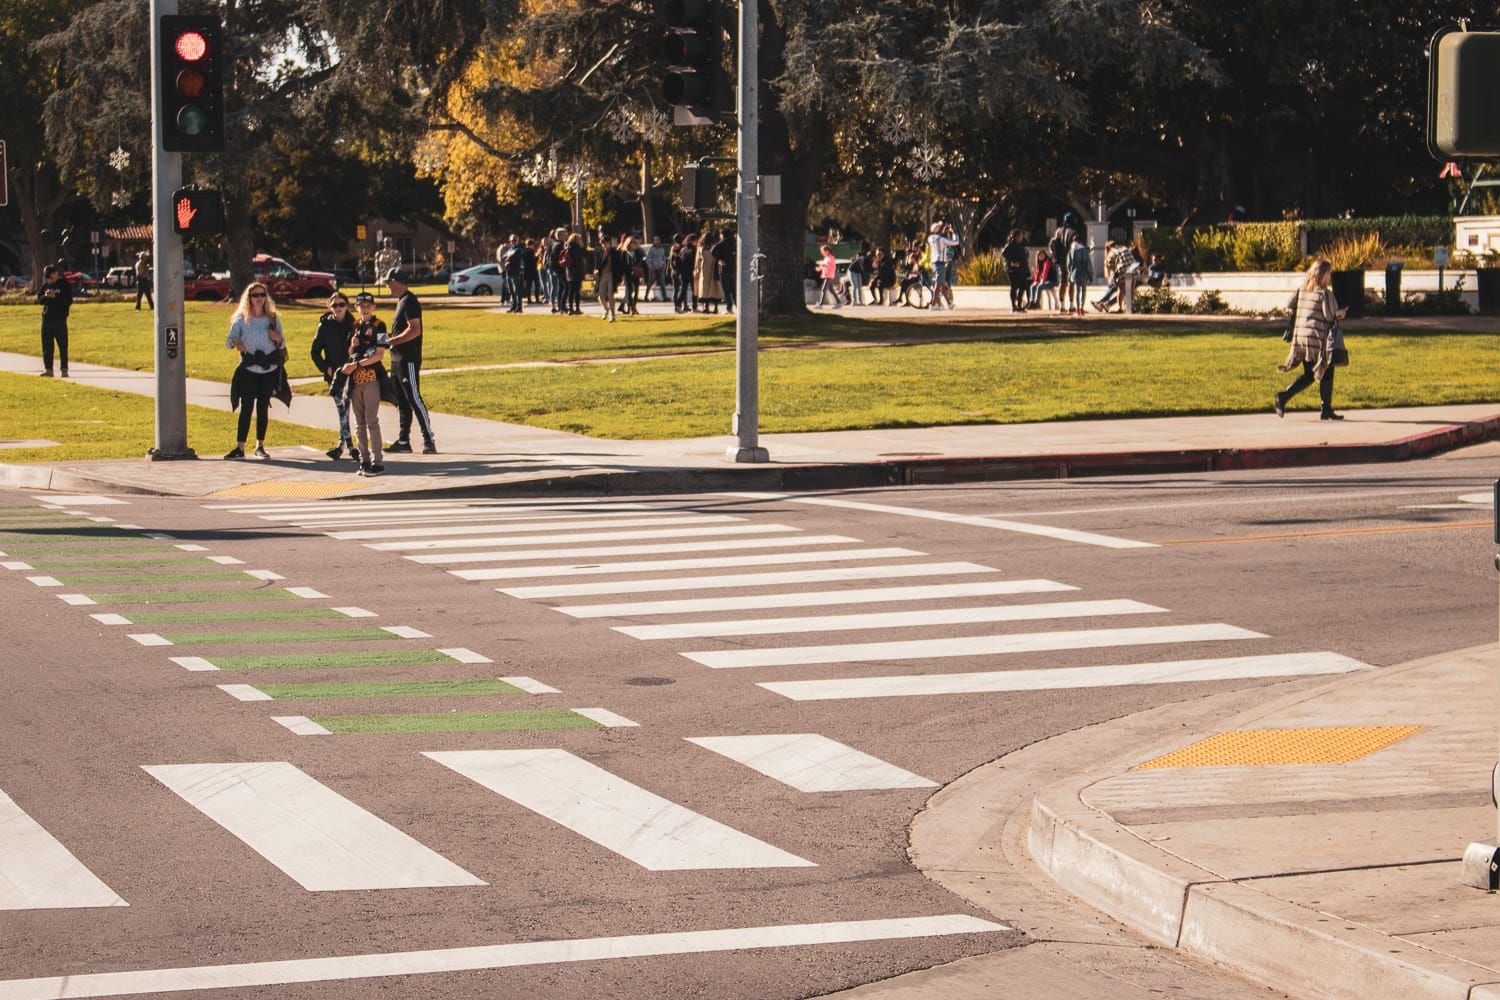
208	617
220	595
317	661
439	722
383	689
209	574
73	547
111	560
279	636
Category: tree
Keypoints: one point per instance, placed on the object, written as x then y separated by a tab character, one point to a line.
337	79
27	77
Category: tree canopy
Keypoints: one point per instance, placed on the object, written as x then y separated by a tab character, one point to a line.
872	114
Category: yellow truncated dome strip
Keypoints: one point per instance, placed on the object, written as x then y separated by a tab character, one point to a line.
289	488
1333	745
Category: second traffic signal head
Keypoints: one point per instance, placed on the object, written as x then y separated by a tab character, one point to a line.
696	84
191	83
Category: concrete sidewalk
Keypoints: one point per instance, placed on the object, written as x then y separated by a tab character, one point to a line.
484	456
1319	878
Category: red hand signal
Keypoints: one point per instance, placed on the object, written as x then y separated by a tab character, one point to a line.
185	213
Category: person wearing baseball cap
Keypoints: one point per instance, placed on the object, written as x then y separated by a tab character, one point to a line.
406	364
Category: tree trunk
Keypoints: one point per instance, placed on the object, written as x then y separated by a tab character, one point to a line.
37	201
648	226
239	242
783	236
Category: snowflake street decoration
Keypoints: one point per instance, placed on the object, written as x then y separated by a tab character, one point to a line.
896	129
119	159
627	124
119	199
926	162
541	171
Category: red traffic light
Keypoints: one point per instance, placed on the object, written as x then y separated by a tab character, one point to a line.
190	82
191	46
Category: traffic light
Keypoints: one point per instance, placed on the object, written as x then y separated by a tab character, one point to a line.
1463	115
197	213
700	188
696	86
192	83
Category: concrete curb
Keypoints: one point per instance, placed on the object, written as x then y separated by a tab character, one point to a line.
1235	923
915	471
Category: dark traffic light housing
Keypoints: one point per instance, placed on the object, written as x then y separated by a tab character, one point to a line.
197	213
191	49
696	85
1463	81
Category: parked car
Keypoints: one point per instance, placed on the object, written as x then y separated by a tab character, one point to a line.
203	286
481	280
119	277
16	281
287	282
81	282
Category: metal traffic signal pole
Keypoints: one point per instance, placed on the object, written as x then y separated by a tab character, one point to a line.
747	262
166	247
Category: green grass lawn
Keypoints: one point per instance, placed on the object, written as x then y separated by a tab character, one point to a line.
1120	374
90	423
1145	369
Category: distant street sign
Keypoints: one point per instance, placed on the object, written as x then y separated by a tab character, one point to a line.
359	233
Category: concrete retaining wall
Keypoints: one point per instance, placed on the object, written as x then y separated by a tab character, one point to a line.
1251	290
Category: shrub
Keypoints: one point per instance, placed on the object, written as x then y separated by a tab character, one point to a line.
1244	246
1353	253
1406	231
982	269
1164	302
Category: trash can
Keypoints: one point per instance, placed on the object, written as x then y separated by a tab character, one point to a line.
1349	289
1393	287
1487	284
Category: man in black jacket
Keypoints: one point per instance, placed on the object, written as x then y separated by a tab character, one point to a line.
330	352
56	298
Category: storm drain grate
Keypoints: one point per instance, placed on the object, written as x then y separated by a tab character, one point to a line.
1333	745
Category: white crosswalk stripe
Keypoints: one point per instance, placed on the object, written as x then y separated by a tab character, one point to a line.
1068	678
661	548
320	839
814	598
446	531
750	579
982	645
809	762
638	825
889	619
659	565
38	873
718	531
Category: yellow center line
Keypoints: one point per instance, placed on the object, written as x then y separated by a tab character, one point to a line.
1325	534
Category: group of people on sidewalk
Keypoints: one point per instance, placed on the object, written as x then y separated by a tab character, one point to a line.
350	353
551	270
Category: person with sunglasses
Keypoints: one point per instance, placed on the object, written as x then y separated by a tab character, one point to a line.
368	383
255	331
330	352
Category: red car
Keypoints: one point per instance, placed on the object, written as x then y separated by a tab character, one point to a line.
286	282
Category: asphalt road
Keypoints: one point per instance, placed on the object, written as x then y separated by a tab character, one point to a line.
878	643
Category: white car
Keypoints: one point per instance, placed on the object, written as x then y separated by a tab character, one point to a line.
481	280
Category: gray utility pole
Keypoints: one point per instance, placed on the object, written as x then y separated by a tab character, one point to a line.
166	247
747	221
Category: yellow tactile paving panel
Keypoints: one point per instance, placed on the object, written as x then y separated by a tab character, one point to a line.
285	488
1334	745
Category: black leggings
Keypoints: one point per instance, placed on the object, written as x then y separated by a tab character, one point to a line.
263	387
1325	387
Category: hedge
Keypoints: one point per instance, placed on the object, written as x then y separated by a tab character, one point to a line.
1277	246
